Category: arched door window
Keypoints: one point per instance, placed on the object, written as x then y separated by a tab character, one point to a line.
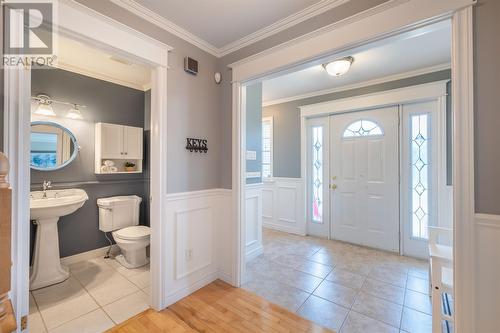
362	127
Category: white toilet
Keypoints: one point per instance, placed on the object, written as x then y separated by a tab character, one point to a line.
121	216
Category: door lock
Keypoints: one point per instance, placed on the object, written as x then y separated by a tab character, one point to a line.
333	187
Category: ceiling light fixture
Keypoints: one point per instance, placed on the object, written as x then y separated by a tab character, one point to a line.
339	67
44	107
74	112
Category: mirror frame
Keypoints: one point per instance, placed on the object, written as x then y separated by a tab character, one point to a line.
73	139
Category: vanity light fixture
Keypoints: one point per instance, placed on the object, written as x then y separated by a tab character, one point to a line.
339	67
74	112
44	107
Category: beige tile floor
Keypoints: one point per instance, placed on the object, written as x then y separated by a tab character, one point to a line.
99	294
341	286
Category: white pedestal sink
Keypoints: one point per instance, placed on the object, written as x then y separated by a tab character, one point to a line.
46	210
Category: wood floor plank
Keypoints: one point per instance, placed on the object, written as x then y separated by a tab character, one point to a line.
220	308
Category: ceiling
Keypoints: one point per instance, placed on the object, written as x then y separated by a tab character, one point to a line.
420	51
83	59
223	26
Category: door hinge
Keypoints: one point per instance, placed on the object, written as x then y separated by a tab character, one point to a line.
24	323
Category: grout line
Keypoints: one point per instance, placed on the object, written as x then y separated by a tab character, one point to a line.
39	312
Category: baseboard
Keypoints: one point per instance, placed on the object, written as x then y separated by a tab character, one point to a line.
100	252
252	254
186	291
226	277
290	230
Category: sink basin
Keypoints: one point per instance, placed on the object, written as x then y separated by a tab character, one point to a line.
46	211
56	204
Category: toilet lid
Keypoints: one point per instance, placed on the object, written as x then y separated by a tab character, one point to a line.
134	232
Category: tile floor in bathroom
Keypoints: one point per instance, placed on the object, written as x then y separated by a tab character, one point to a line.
340	286
99	294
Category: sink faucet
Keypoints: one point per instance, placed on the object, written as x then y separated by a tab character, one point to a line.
47	185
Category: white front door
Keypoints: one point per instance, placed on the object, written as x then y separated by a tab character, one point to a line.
365	178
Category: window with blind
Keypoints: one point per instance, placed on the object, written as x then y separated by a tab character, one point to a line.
267	147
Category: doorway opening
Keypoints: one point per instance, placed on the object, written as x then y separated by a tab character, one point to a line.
345	178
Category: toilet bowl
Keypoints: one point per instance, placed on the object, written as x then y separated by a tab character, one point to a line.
120	215
132	242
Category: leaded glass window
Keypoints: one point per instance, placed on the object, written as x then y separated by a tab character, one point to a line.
362	128
317	174
419	129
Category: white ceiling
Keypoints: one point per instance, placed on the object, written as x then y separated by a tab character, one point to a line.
83	59
222	26
412	52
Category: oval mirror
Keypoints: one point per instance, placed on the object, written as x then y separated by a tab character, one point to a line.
52	146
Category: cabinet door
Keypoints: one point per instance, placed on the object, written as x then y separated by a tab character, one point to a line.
112	141
132	142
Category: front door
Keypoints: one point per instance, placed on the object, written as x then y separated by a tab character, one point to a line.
364	178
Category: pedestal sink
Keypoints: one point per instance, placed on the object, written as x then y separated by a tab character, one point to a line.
46	207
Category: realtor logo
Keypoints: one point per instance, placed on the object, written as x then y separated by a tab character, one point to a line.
29	35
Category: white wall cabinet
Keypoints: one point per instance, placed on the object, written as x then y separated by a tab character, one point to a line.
119	144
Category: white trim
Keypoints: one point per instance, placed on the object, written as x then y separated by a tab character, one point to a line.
96	253
396	17
464	251
82	24
100	76
198	194
177	295
421	92
363	84
487	220
346	34
281	25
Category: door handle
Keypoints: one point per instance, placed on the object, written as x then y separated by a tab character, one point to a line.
333	186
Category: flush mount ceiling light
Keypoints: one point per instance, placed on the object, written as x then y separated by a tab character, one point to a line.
74	112
44	107
339	67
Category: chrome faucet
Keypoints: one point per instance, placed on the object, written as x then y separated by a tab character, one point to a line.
47	185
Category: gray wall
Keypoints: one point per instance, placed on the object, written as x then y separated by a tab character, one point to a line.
254	129
286	118
334	15
106	102
193	106
487	105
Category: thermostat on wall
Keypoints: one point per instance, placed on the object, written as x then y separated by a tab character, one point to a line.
191	65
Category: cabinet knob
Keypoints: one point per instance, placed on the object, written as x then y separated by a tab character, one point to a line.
126	153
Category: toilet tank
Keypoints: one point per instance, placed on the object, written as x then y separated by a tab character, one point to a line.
118	212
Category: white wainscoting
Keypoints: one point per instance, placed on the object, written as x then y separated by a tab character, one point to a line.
487	272
196	227
253	220
283	205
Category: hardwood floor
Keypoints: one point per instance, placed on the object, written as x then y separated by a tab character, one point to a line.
219	307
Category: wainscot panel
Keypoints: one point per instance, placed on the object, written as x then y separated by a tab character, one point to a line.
283	205
197	228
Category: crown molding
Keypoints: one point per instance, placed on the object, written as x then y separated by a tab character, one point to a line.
363	84
290	21
167	25
294	19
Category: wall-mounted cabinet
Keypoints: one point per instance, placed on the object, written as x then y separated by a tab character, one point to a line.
119	144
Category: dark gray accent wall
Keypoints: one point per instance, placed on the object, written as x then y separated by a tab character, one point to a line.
193	106
487	105
106	102
286	118
254	129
